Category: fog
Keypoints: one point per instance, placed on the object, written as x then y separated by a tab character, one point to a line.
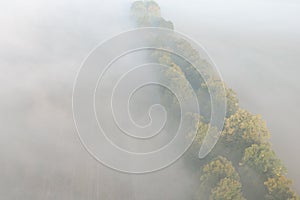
255	44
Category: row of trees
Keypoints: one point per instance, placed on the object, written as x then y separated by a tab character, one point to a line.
242	165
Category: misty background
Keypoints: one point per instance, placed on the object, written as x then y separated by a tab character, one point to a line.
255	45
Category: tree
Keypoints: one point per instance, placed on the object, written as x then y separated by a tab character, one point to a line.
244	138
227	189
147	13
232	104
263	159
220	180
279	188
245	129
216	170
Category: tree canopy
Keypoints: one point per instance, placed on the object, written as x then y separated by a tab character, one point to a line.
243	148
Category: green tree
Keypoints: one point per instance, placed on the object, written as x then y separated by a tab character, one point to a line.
227	189
264	160
220	180
147	13
245	129
279	188
244	139
216	170
232	102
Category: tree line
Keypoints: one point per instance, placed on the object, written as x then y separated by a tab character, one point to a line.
242	165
